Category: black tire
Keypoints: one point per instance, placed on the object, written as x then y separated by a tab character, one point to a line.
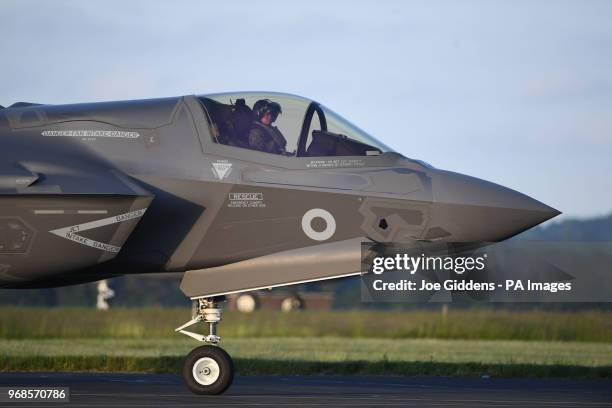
202	356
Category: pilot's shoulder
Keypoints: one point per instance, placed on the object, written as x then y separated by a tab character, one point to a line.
277	131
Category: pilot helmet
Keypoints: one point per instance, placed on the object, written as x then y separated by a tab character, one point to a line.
264	106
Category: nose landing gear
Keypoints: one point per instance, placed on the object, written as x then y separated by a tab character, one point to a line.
208	369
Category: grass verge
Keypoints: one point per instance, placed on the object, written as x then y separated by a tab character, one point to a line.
341	356
471	324
172	364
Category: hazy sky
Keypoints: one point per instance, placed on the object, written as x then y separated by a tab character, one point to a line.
515	92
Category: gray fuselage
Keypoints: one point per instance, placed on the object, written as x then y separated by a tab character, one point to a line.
90	191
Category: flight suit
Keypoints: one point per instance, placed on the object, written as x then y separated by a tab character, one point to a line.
266	139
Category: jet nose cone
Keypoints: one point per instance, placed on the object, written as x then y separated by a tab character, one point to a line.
477	211
532	213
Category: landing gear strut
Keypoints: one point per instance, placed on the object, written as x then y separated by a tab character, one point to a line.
208	369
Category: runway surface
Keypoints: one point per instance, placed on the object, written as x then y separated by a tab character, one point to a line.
140	390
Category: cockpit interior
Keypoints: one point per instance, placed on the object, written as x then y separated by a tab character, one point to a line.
310	129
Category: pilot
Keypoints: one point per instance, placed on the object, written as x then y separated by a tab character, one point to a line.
262	135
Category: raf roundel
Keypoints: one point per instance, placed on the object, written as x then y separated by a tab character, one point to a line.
330	224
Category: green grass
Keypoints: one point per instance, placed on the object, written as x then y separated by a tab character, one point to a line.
479	324
275	367
291	356
332	349
462	343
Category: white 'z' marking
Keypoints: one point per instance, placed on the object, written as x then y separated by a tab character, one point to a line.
71	231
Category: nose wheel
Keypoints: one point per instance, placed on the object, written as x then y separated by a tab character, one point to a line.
208	370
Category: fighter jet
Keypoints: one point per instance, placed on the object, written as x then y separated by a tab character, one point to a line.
236	191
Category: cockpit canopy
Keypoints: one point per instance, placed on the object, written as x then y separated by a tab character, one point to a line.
304	128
